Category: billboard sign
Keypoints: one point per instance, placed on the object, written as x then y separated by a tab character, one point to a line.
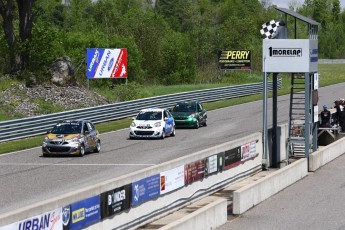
172	179
235	59
194	171
211	165
106	63
290	55
116	200
248	151
82	213
232	157
47	221
145	189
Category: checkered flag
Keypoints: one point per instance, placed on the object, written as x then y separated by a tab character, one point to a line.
268	29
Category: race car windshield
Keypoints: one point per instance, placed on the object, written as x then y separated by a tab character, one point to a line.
152	115
184	108
66	129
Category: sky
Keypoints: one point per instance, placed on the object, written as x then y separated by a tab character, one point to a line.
285	3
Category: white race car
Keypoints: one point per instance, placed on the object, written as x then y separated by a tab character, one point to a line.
152	123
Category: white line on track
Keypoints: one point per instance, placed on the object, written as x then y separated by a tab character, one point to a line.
58	164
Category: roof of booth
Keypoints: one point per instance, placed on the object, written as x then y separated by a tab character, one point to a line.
297	15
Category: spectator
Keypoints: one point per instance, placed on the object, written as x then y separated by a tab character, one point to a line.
325	117
335	115
341	114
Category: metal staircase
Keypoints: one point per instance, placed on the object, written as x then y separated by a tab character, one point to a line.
296	139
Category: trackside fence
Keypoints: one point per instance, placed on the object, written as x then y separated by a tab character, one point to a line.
38	125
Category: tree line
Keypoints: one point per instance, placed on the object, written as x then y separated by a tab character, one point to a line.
168	41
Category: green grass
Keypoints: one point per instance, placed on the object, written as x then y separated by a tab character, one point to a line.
46	107
6	83
329	74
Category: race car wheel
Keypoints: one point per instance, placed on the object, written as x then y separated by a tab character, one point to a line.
197	125
173	133
163	134
82	151
205	123
98	147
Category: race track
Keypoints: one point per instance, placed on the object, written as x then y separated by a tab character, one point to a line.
26	177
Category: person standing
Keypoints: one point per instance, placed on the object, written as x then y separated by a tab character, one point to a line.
335	116
325	117
341	112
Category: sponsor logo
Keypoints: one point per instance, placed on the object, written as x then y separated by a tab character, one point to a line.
78	215
116	197
314	51
105	63
66	215
94	59
46	221
36	223
111	62
136	192
314	59
285	52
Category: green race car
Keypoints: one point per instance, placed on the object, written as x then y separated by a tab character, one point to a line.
189	114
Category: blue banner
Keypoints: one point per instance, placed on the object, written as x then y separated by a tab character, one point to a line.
93	60
145	189
82	213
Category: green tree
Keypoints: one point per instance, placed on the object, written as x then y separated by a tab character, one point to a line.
147	29
178	62
17	42
322	12
335	10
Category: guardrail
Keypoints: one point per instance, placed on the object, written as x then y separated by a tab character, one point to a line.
331	61
38	125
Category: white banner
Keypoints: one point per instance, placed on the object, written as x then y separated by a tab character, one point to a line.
48	221
172	179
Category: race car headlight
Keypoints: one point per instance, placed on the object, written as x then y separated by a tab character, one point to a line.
133	124
157	124
192	115
46	139
76	139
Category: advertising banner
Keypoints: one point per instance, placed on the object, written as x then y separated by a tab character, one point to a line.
316	113
106	63
116	200
211	165
82	213
248	150
232	157
316	80
48	221
172	179
194	171
221	161
145	189
235	59
290	55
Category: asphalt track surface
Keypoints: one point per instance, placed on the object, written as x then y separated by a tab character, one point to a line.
26	177
317	202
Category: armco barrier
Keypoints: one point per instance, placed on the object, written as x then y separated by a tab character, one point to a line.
235	167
